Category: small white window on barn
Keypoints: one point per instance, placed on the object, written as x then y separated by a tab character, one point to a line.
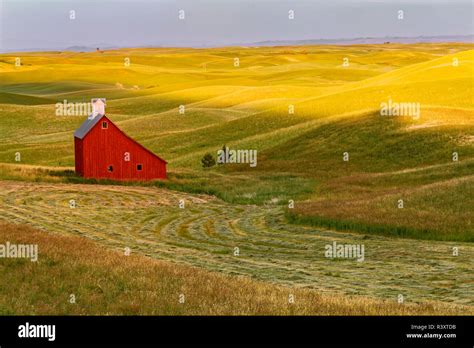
110	169
105	125
139	167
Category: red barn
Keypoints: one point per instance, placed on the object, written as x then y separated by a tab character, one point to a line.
103	151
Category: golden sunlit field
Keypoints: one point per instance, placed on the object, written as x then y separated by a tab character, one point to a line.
330	168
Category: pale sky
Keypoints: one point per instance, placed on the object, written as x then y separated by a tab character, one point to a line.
35	24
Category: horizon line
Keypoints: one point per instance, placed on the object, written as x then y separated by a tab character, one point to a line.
265	43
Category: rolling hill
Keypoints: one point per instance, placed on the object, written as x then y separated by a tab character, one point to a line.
345	166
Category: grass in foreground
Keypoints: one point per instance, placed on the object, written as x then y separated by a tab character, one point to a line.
107	282
206	233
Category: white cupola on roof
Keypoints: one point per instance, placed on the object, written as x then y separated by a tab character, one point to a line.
98	107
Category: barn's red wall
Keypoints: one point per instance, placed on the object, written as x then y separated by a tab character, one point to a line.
78	154
104	147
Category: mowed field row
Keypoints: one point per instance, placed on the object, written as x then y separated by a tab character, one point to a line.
112	283
207	232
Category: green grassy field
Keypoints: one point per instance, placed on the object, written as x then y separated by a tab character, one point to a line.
336	110
300	158
114	284
206	232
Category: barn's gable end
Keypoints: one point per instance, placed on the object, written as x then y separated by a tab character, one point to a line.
87	126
